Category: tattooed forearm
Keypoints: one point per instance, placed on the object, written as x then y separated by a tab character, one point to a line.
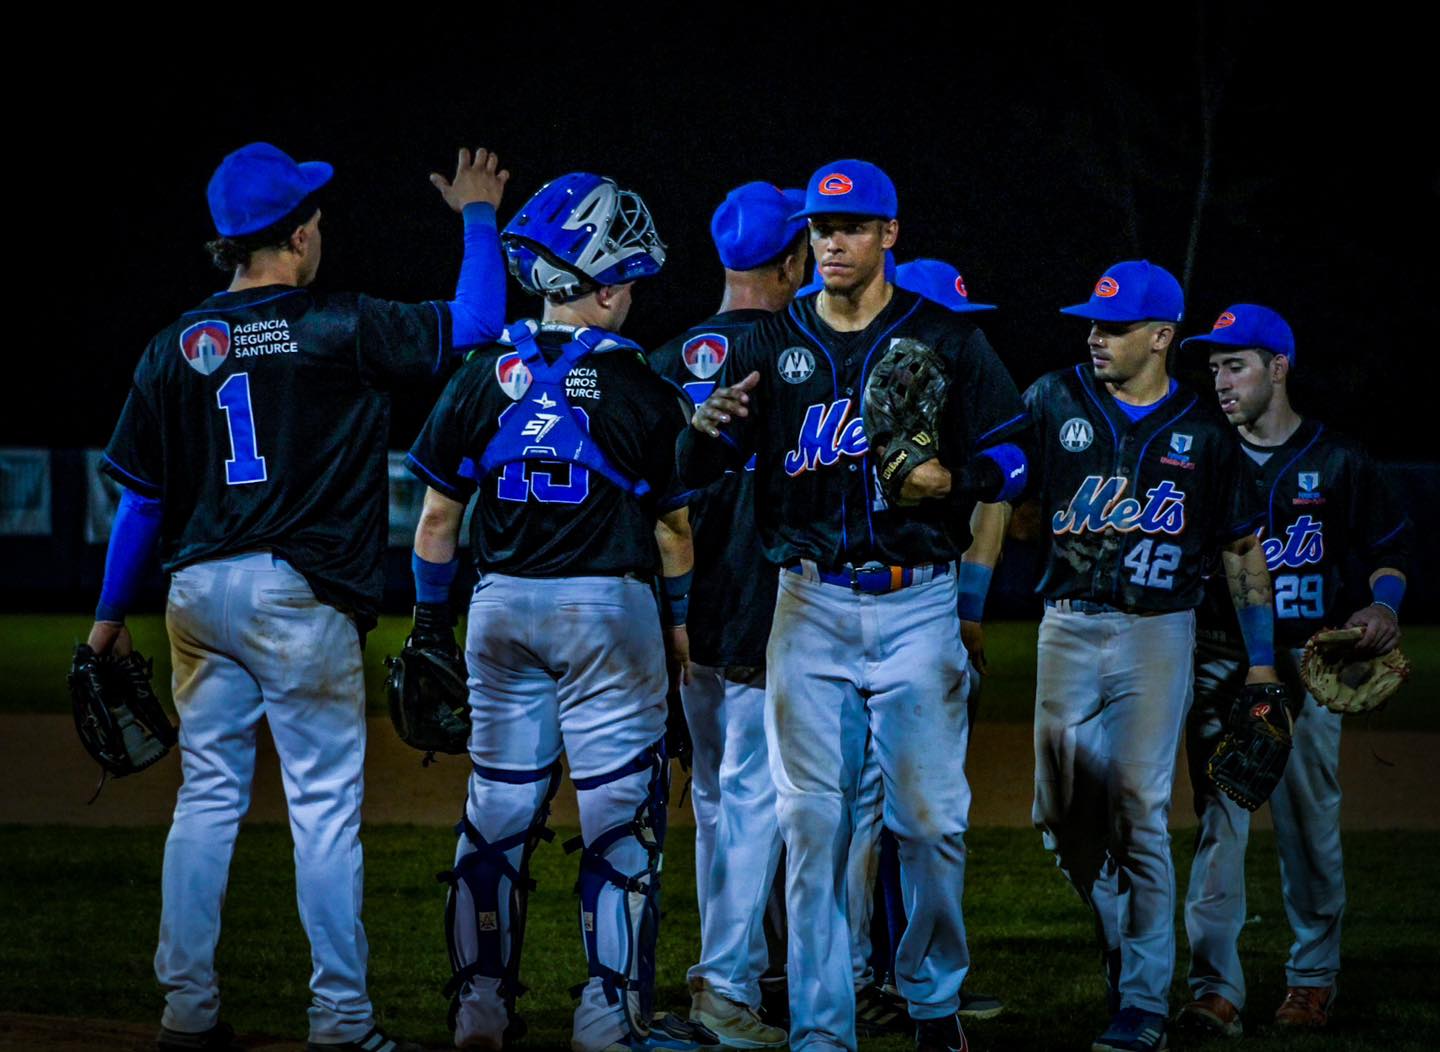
1248	578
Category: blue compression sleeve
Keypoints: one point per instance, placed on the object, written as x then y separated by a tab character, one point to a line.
477	312
432	580
132	541
675	599
1257	626
1014	469
974	585
1388	590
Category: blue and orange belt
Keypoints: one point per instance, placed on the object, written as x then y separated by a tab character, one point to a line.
872	578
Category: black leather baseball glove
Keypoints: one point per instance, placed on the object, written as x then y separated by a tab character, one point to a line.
1250	759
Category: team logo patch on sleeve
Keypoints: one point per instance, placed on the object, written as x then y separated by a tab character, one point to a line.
1076	434
796	365
703	355
205	345
513	375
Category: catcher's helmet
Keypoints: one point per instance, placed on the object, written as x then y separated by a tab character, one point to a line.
580	231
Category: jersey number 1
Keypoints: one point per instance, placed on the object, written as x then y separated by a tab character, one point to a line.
245	465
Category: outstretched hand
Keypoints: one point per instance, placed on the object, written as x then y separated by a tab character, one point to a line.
724	404
478	179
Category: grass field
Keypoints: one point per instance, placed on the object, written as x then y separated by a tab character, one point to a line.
37	651
82	943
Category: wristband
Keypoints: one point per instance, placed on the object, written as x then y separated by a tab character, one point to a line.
974	585
432	580
1388	591
1257	626
675	599
1014	471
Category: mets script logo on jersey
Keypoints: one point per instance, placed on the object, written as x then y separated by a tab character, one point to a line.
513	375
1309	488
1100	504
1107	287
1303	544
826	434
796	364
703	355
205	345
539	425
1179	455
835	184
1076	434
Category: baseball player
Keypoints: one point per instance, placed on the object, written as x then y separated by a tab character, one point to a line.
1325	502
252	450
874	869
568	437
865	641
1139	479
737	837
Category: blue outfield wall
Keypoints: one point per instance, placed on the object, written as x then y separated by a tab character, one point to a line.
55	512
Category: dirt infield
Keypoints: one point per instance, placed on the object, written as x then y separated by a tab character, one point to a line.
45	777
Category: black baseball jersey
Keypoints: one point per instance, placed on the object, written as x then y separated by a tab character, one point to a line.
541	518
260	420
1133	508
816	495
733	597
1324	500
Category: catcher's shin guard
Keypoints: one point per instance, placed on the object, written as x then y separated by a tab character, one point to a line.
497	890
624	960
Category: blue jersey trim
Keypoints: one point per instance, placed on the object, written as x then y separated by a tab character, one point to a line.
240	306
439	338
144	488
447	488
1114	435
1391	535
1270	505
1000	427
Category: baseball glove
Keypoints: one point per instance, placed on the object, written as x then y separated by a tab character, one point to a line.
903	401
1343	682
117	715
429	699
1250	759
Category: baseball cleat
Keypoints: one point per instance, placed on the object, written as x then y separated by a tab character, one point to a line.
219	1038
1132	1030
940	1035
1213	1015
374	1041
979	1006
880	1010
1306	1006
736	1025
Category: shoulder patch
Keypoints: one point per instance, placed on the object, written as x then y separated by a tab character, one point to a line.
513	375
205	345
704	354
796	364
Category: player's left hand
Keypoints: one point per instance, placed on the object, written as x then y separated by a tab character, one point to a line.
108	637
930	479
677	649
1382	629
477	180
972	634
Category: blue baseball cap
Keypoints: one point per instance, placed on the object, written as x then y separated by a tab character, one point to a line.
755	223
259	185
849	188
1137	290
817	282
1250	325
938	281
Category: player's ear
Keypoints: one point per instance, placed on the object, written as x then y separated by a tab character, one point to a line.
1279	368
889	233
1161	336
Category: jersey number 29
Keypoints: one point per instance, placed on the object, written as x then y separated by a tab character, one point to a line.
245	465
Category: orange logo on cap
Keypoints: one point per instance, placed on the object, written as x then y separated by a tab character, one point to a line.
1260	711
1224	321
1107	287
960	285
836	183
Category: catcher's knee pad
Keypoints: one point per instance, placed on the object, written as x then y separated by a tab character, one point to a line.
498	891
622	956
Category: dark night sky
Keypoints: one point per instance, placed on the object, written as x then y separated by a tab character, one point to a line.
1032	153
